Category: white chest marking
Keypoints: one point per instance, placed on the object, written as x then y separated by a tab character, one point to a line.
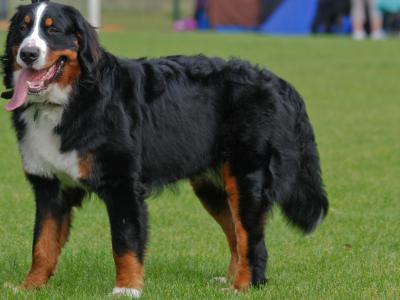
40	146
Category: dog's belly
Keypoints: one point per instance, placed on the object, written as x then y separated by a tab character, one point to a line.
40	146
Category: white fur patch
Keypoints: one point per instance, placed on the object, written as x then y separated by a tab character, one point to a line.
133	293
34	40
40	146
54	94
221	280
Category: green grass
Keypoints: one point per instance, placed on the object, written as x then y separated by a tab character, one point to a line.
352	93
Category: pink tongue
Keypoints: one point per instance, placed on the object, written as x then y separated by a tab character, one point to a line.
36	78
20	90
21	87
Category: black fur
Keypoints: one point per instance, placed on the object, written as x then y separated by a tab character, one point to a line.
151	122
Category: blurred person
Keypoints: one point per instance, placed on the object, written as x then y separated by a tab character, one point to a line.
329	15
390	10
358	15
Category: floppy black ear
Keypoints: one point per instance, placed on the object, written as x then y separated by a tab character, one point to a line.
8	57
90	52
37	1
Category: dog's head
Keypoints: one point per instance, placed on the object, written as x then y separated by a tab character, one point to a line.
49	47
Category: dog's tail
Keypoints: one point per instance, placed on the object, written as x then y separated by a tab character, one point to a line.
294	166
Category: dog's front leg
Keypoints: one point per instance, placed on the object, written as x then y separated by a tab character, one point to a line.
52	223
128	219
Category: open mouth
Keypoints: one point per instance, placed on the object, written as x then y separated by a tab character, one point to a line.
40	80
30	81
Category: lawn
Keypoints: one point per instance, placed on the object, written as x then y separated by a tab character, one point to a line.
352	93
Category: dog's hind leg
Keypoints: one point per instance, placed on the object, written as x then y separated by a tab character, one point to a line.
52	225
214	199
244	190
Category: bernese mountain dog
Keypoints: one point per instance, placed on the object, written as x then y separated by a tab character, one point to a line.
90	122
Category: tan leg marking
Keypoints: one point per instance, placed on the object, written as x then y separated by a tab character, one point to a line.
243	274
224	219
64	231
129	271
45	253
85	166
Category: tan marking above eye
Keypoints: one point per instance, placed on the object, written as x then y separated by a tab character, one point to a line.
48	22
27	19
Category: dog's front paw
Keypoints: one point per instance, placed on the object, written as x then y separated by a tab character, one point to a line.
220	280
13	287
132	293
33	283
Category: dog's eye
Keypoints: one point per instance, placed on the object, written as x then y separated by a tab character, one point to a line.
53	30
23	28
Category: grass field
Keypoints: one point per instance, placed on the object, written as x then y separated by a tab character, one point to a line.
352	92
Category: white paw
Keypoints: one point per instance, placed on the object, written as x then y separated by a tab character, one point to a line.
15	289
222	280
133	293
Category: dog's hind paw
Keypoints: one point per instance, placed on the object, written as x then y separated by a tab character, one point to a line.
126	292
230	290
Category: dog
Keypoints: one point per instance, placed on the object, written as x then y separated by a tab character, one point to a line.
90	122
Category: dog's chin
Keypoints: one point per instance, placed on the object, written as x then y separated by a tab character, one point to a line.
53	95
43	96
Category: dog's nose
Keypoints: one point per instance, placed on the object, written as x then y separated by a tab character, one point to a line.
29	55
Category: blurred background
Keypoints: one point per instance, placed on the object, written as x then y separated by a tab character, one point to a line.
121	15
276	17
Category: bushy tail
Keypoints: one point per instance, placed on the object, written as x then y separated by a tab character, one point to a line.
294	165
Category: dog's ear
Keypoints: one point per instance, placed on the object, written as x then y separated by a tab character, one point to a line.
38	1
89	52
7	60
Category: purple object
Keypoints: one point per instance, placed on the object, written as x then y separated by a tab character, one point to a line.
185	25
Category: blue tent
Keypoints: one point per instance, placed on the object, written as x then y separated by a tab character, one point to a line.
292	17
281	17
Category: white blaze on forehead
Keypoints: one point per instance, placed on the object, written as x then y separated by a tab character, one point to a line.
34	40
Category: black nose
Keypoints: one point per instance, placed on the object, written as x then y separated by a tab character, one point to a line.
29	55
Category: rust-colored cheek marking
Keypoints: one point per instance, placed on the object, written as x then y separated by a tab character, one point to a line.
86	166
53	56
71	70
48	22
27	19
224	219
14	51
129	271
243	274
45	253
